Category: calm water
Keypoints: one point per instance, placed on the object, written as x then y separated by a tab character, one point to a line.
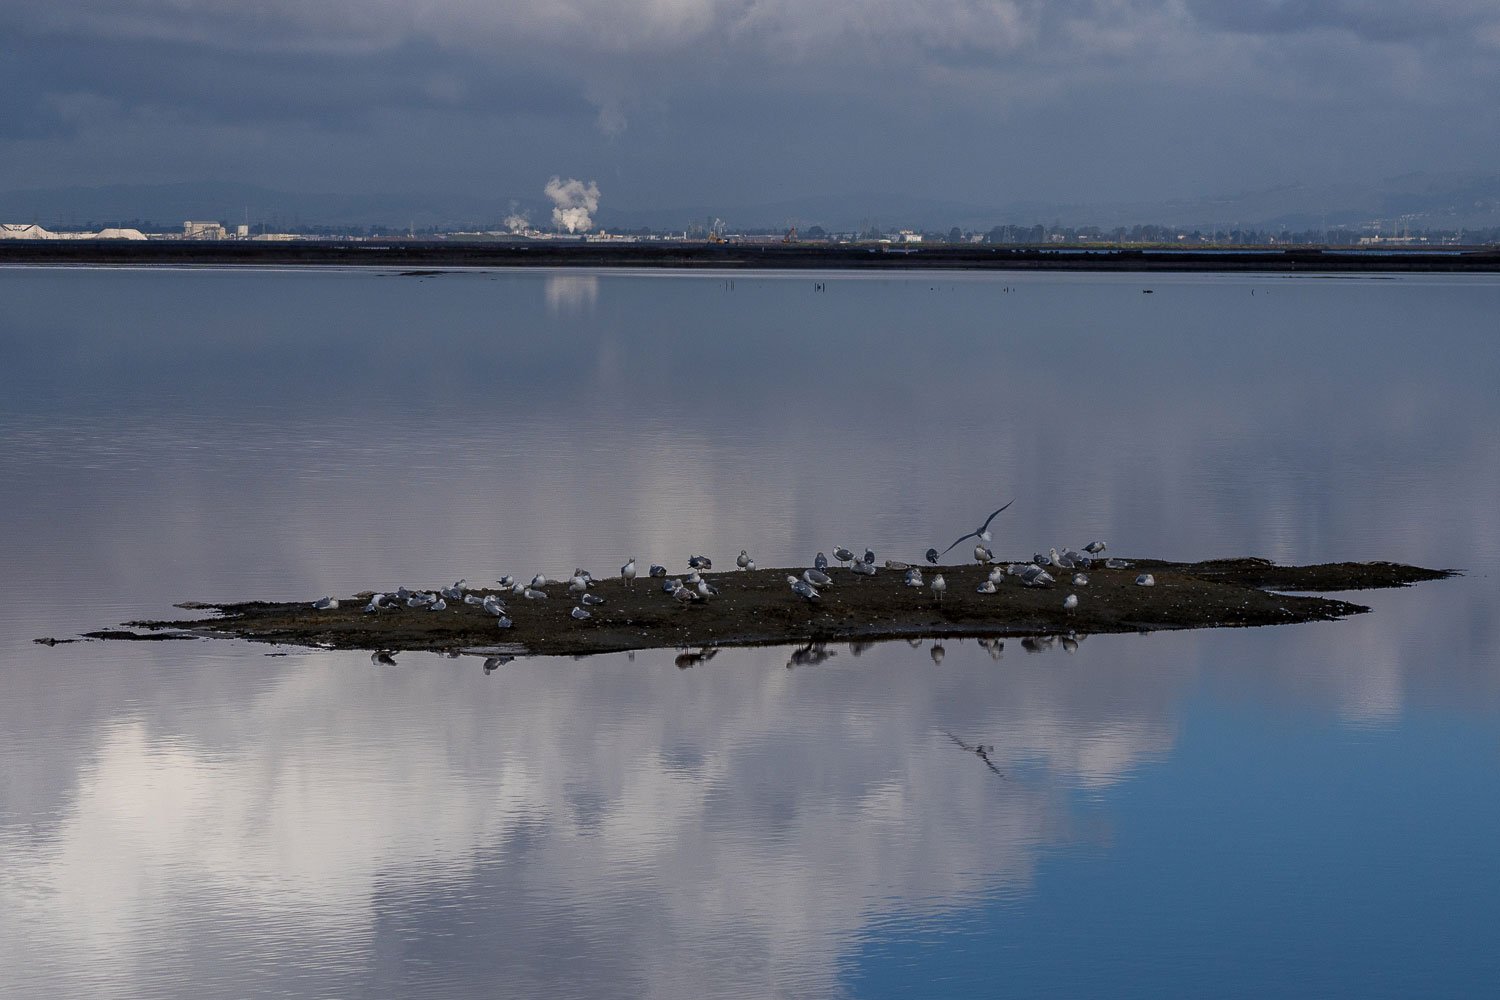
1298	811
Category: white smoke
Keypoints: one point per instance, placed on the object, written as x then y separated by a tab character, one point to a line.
573	204
517	222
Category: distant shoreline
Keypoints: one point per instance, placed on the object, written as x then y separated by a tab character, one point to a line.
428	255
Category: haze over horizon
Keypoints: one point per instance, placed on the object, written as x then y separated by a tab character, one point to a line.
667	103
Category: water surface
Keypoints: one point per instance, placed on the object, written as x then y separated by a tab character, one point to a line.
1304	810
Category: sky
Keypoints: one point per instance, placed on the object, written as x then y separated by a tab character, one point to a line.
673	102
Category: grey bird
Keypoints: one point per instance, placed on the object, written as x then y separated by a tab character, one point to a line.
1094	548
742	560
938	586
580	613
592	599
842	554
802	588
657	571
534	595
820	563
817	578
983	532
383	657
326	604
864	568
628	572
869	557
1145	580
932	555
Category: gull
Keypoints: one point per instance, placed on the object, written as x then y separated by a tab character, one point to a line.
938	586
438	605
980	751
982	554
539	581
579	613
817	578
987	587
374	604
473	599
577	585
1145	580
1080	579
326	604
1041	560
403	593
869	557
684	595
417	601
592	599
1095	548
1070	603
493	663
700	562
534	595
455	592
507	581
383	657
896	564
1035	576
628	572
937	652
1061	562
492	605
983	534
997	574
994	646
750	566
672	586
707	590
518	588
1076	557
820	563
504	622
657	571
802	588
1069	644
842	554
864	568
1116	564
742	560
932	555
914	577
693	579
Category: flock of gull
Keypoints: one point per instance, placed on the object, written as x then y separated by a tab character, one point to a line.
695	588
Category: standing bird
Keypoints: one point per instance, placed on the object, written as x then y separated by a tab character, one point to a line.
820	563
842	554
1095	548
869	557
938	586
742	560
1070	603
982	554
983	533
628	572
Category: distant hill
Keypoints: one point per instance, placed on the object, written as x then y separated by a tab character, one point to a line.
1415	201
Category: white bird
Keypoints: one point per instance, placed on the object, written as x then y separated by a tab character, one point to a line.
707	590
1062	562
983	534
1080	579
455	592
592	599
539	581
507	581
438	605
693	579
374	605
1145	580
534	595
987	587
997	574
493	606
628	572
518	587
1035	576
1070	603
326	604
1094	548
938	586
982	554
577	585
820	562
817	578
742	560
417	601
579	613
914	577
750	566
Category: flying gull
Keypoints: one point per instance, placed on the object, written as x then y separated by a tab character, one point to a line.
983	532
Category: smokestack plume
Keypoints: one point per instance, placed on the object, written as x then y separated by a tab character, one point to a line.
573	204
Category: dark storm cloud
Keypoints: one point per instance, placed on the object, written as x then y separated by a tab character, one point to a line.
673	100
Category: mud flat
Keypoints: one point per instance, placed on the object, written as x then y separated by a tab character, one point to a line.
758	608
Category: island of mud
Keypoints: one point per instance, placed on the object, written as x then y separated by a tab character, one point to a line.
758	607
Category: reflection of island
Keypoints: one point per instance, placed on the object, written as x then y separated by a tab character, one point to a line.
557	804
